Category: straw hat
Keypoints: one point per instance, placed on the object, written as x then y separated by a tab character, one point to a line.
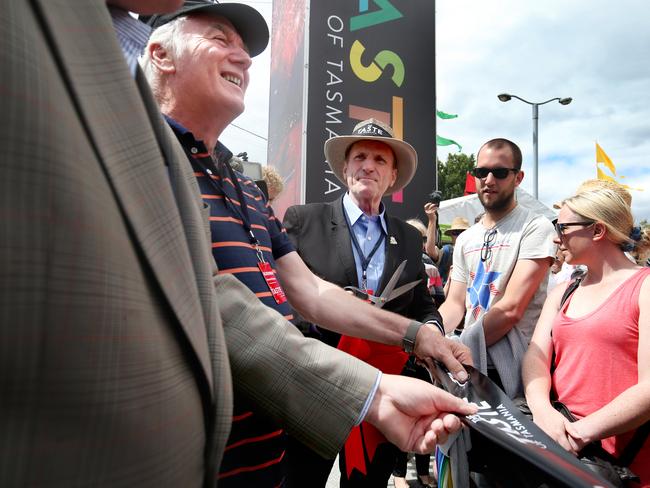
406	159
458	224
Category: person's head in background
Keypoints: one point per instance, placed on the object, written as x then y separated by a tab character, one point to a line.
274	182
558	261
457	227
417	223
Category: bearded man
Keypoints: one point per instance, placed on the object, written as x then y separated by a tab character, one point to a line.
500	268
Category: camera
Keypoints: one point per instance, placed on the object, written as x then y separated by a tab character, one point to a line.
435	197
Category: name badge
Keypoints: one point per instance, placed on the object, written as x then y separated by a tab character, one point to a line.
272	282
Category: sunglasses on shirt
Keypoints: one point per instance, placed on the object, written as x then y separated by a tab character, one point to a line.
488	240
499	173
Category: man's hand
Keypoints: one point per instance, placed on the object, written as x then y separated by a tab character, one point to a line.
415	415
430	209
430	344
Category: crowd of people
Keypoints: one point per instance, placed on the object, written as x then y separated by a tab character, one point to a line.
162	327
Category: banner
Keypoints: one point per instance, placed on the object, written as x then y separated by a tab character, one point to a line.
286	104
525	450
366	58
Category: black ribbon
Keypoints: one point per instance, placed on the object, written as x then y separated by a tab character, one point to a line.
508	444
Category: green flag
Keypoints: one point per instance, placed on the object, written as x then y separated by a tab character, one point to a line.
443	115
441	141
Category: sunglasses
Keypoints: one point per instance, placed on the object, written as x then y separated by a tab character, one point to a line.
560	228
488	239
499	173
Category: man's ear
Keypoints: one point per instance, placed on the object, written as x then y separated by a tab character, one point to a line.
160	58
519	177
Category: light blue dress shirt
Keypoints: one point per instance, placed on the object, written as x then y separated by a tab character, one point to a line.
367	231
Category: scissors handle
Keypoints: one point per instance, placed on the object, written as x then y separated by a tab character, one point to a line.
357	292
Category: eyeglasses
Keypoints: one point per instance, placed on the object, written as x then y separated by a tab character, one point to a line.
499	173
488	239
560	228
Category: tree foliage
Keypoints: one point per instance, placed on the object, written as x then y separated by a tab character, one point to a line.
452	174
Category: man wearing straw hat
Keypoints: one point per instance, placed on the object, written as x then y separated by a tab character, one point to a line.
353	242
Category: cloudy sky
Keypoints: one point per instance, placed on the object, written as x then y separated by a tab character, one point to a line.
595	51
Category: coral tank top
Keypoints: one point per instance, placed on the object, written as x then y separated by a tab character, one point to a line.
596	360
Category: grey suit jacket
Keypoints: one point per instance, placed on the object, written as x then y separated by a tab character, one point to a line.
117	337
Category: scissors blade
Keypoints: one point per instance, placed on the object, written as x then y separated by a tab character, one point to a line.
400	290
385	295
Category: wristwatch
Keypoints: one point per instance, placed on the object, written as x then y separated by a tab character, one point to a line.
408	342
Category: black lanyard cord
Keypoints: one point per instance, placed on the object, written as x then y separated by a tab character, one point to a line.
365	260
242	209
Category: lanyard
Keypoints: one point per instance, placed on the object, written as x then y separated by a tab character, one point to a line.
242	209
365	260
268	273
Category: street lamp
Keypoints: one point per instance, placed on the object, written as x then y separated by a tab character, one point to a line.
506	97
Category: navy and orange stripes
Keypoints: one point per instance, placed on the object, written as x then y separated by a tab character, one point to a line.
256	445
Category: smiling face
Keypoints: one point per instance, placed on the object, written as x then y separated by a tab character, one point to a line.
211	72
497	196
369	171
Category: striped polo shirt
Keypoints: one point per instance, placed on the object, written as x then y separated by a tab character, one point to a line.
255	450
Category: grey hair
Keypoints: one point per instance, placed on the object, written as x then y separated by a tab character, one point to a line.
170	37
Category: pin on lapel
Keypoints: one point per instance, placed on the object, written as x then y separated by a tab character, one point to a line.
393	240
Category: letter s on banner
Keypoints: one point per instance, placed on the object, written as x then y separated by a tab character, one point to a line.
373	71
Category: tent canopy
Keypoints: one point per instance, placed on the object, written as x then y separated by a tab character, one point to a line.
469	207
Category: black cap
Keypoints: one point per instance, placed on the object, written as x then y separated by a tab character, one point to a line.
248	22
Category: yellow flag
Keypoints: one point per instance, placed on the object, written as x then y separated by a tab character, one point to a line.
603	176
601	157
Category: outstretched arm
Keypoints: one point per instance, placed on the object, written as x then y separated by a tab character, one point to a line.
331	307
318	393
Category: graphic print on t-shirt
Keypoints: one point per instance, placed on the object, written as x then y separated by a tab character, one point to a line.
482	289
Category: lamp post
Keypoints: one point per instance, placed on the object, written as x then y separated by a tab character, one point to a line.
506	97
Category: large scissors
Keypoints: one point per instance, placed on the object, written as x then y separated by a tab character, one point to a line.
389	293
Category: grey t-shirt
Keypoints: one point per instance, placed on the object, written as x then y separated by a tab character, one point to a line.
521	234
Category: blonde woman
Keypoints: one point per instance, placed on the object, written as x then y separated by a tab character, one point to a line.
598	340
